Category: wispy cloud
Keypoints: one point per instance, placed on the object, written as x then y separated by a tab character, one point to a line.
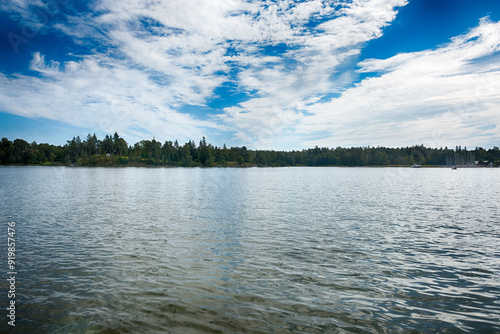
96	95
287	87
148	61
436	97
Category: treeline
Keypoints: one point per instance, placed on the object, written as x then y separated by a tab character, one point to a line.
114	150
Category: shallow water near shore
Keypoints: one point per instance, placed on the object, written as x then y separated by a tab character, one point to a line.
256	250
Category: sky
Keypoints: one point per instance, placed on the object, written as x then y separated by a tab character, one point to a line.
282	75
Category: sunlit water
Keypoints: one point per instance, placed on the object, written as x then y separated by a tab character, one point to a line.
259	250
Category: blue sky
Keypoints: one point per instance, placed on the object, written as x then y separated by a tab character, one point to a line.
265	74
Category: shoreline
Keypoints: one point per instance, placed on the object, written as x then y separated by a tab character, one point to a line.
141	165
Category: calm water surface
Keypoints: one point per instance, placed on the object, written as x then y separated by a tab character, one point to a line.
268	250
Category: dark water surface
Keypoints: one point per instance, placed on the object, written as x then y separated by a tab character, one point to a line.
268	250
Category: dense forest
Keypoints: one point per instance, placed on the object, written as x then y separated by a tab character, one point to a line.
114	151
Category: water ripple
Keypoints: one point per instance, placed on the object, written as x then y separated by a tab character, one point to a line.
297	250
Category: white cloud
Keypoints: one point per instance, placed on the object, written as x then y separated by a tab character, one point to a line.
93	95
162	55
319	52
151	58
22	10
436	97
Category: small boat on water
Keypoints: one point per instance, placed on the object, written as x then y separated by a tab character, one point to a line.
454	167
416	166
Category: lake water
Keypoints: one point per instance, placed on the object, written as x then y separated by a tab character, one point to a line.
257	250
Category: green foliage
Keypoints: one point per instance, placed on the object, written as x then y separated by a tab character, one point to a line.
114	151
